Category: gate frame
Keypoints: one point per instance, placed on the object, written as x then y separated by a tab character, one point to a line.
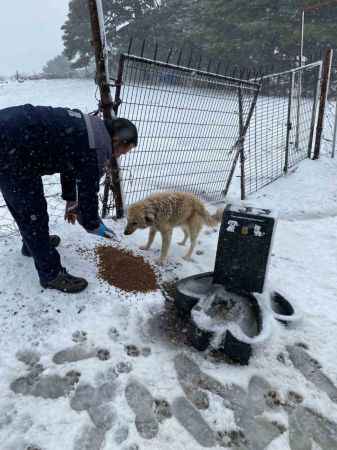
315	107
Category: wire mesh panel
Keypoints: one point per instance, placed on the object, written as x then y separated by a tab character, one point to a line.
7	224
303	113
188	122
191	125
266	137
282	127
55	203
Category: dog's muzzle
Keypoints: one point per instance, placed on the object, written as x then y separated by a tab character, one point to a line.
127	232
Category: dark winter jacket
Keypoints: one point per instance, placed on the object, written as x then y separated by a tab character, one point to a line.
37	141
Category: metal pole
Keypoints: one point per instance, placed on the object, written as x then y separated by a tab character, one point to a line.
102	78
216	76
105	52
279	74
334	143
302	38
323	98
240	142
314	112
289	123
299	88
242	151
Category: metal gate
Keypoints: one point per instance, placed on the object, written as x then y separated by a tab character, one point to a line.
281	132
195	126
191	123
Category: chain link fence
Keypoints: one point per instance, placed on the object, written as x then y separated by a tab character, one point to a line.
192	126
282	128
55	203
189	123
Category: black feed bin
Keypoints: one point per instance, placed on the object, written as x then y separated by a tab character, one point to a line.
243	248
228	308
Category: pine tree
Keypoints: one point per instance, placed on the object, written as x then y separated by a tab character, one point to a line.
241	32
263	31
118	14
59	67
77	34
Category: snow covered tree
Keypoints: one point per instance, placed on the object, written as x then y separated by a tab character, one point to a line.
77	34
255	33
117	13
262	31
58	67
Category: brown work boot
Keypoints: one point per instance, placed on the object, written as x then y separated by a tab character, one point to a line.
65	282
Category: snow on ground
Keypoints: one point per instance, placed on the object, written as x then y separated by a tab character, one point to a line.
56	393
67	93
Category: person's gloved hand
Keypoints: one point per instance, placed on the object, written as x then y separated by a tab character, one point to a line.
103	231
71	212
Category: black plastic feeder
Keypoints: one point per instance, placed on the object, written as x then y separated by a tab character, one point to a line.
189	290
228	322
223	306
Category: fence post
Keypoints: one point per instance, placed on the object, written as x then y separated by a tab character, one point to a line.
298	113
240	142
289	122
314	112
242	148
109	185
102	77
323	98
334	140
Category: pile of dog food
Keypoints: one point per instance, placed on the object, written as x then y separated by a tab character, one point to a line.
125	270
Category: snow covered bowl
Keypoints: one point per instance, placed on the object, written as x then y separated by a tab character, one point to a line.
224	321
283	310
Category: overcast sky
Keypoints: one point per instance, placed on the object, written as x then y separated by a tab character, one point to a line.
30	33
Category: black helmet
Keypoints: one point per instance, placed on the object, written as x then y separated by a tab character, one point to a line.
122	129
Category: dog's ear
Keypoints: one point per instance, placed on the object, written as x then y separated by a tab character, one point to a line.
149	218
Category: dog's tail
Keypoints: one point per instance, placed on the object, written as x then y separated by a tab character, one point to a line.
212	220
217	216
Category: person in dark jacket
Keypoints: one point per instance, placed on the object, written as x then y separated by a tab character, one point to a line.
40	140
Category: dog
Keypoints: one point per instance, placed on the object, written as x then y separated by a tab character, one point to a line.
166	210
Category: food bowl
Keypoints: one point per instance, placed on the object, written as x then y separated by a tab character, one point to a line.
222	320
283	310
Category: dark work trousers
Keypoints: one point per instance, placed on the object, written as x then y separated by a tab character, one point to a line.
26	202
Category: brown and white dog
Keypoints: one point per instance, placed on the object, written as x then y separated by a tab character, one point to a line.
166	210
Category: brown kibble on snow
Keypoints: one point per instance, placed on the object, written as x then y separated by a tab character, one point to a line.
125	271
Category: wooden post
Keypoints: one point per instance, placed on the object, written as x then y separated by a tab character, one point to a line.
102	79
322	101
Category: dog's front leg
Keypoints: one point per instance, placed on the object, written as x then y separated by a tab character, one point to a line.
152	235
165	245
